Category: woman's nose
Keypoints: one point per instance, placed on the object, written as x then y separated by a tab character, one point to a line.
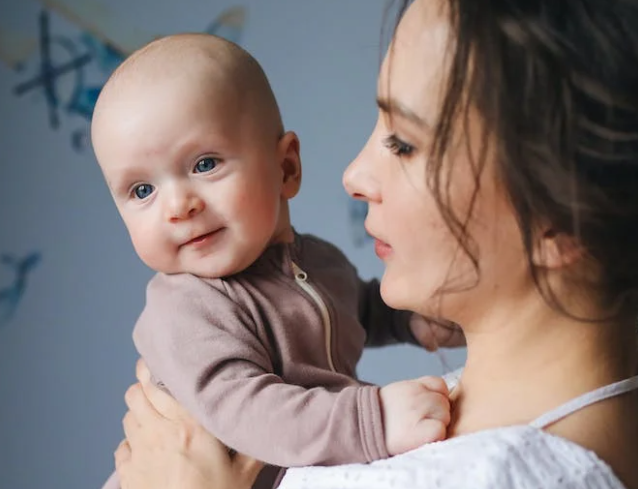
360	180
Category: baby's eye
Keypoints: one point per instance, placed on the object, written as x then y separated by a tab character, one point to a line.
205	165
143	190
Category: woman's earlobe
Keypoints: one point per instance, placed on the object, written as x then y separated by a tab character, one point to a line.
556	250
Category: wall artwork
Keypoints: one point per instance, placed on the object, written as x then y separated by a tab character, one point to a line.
69	70
14	273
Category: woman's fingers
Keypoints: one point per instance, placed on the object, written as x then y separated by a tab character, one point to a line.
160	400
166	447
139	405
131	426
247	466
122	454
142	423
142	372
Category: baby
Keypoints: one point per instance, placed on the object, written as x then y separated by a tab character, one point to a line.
255	329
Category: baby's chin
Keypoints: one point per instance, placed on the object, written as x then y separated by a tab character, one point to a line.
210	269
220	263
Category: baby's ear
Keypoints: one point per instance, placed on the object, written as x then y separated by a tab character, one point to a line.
290	161
556	250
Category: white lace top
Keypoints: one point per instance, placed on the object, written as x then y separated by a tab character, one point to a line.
515	457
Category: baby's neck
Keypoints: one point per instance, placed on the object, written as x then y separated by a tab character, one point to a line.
284	234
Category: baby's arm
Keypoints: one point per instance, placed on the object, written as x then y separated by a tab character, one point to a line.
414	412
205	349
385	326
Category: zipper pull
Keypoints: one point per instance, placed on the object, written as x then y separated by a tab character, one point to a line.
300	275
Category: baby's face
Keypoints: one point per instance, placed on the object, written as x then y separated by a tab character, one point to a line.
199	189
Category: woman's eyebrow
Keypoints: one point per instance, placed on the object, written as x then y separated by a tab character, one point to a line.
392	106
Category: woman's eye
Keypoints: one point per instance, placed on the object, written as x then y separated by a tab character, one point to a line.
397	146
205	165
142	191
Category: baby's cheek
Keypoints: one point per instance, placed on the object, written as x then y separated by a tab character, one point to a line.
245	199
256	207
151	249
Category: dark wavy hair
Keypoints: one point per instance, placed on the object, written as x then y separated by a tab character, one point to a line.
556	85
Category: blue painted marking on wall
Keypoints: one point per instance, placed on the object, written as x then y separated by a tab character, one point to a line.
65	58
11	295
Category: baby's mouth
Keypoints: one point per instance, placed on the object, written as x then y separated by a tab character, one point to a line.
202	238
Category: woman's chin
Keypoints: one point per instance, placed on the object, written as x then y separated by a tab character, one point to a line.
396	294
405	295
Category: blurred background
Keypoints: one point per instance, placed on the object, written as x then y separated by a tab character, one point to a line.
71	286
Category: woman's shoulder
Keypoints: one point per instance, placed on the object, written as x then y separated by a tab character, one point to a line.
517	457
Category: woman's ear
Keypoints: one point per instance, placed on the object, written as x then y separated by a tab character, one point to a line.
556	250
290	160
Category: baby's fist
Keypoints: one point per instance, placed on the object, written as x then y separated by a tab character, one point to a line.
433	335
415	412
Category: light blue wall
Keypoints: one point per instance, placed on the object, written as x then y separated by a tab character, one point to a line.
66	356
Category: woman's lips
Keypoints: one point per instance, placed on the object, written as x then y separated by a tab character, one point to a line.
383	250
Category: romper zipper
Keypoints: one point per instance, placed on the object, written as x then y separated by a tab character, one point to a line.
301	278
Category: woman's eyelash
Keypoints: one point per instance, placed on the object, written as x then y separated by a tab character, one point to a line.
397	146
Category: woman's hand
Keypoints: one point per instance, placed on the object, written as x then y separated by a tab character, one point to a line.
165	448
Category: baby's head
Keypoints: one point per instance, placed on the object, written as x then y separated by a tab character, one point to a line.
189	137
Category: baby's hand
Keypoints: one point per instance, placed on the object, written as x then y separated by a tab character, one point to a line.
415	412
433	336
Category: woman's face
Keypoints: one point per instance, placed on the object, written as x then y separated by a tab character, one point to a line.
411	237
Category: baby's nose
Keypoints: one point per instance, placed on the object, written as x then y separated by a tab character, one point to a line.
184	206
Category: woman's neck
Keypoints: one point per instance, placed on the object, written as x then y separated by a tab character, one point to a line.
516	372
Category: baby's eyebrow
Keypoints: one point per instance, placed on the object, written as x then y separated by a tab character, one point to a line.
119	186
393	106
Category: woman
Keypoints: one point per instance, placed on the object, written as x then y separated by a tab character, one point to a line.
502	186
